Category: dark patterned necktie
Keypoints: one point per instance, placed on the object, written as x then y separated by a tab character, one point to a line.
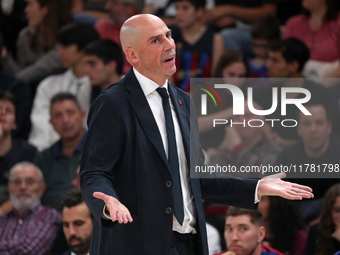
172	156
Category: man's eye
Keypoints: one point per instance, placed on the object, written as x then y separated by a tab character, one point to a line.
155	41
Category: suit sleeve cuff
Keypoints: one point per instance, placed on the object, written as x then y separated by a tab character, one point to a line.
256	198
105	216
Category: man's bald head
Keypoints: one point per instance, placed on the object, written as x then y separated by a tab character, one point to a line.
133	27
149	47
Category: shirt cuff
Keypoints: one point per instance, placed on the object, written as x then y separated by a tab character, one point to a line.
256	198
105	215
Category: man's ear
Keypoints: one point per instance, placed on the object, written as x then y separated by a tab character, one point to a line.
83	115
261	234
42	189
112	65
131	56
51	121
294	66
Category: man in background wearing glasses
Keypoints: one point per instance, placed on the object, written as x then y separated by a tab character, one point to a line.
29	228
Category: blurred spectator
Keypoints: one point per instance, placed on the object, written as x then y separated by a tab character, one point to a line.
318	27
284	225
29	228
244	233
37	52
231	66
89	11
109	28
287	9
286	60
317	146
103	64
22	91
214	242
324	237
236	18
12	21
12	150
198	47
73	39
77	223
60	161
264	32
76	179
164	9
245	145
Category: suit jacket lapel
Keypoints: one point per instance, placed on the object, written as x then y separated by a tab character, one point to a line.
144	114
183	118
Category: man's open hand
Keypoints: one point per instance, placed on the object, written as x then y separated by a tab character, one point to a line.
273	186
116	209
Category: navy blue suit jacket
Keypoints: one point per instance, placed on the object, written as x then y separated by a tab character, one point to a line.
124	157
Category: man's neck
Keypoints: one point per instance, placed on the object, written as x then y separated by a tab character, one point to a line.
5	144
193	33
293	83
251	142
317	153
69	145
113	79
78	69
257	250
86	253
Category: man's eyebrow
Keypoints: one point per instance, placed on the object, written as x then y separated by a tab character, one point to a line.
156	36
238	225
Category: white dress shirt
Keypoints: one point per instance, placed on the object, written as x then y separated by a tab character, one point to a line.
156	104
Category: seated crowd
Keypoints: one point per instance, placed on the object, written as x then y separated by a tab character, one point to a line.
56	56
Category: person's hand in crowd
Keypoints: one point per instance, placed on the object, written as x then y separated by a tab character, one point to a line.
336	233
3	53
229	253
5	207
273	136
1	128
272	185
226	21
216	13
231	138
118	211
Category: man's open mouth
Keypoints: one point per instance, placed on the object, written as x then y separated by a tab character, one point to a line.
168	59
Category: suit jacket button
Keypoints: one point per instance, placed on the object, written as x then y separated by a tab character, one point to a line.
168	210
168	184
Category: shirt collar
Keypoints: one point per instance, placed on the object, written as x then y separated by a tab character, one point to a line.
148	86
72	253
70	74
58	151
28	212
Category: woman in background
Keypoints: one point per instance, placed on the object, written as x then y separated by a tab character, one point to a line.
284	226
324	237
319	28
37	41
232	68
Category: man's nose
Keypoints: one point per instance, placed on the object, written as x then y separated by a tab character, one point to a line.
23	185
313	127
72	231
234	235
169	44
66	118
